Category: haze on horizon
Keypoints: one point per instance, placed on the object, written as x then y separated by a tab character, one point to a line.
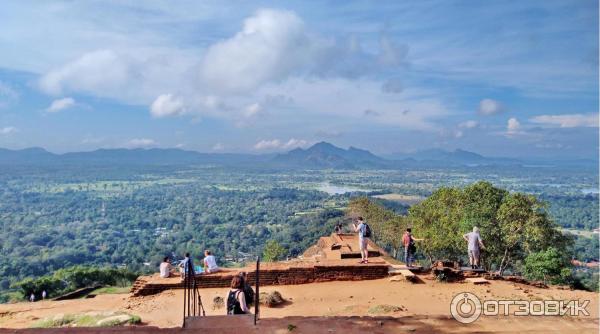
514	79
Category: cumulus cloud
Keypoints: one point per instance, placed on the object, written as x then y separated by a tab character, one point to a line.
61	104
470	124
140	143
167	105
276	144
271	45
513	126
568	120
7	130
94	71
490	107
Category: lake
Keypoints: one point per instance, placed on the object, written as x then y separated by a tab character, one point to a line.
333	189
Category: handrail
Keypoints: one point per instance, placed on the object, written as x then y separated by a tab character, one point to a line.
257	294
192	302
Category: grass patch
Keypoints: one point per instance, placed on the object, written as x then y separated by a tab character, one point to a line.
384	309
90	319
111	290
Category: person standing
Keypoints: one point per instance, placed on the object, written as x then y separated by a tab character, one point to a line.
185	264
44	294
338	228
409	247
475	244
364	234
32	297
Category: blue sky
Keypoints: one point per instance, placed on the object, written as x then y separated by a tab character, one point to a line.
501	78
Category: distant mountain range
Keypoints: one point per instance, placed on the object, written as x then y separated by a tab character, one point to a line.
457	156
322	155
326	155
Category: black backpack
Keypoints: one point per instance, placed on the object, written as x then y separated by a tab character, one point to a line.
248	294
367	233
233	305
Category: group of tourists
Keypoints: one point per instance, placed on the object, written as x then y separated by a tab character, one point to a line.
474	243
166	269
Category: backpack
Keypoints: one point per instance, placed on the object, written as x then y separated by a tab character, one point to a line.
248	294
367	233
412	248
233	305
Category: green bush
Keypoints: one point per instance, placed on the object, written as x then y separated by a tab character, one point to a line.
550	266
70	279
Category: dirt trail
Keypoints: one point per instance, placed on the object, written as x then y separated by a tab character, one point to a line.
425	306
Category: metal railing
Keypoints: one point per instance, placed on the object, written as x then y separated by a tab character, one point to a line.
257	294
192	302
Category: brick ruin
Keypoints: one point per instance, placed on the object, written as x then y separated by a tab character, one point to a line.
333	258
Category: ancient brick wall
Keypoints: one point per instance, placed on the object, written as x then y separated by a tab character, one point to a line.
283	276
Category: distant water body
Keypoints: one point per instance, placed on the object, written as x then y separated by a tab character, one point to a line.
589	191
332	189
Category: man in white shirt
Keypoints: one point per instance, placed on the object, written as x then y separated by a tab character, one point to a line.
475	245
363	240
210	263
165	268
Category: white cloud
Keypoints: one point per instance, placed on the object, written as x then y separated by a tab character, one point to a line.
92	72
276	144
271	45
8	130
470	124
490	107
140	143
61	104
252	110
167	105
513	126
567	120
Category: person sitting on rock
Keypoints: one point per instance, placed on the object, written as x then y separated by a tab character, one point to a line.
210	263
236	301
165	268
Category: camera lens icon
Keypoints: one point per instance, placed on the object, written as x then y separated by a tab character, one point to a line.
465	307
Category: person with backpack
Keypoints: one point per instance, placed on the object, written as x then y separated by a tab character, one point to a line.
408	241
364	233
409	247
248	291
236	301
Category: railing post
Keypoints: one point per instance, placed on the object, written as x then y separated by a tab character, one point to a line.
257	295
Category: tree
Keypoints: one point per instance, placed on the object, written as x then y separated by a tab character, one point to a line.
512	225
550	266
273	251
